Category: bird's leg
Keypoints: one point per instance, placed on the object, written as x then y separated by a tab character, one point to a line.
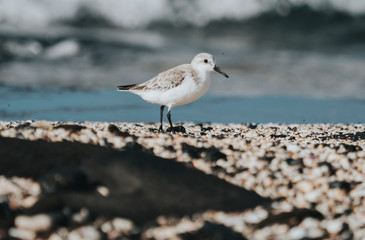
161	118
169	118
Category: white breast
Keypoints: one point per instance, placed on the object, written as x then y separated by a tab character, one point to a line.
186	92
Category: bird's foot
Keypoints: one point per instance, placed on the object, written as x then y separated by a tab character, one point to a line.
180	129
160	130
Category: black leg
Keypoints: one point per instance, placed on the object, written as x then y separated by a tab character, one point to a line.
161	118
169	118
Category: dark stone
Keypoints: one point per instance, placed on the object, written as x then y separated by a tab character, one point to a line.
169	148
153	130
179	129
293	162
218	169
226	130
70	127
278	135
291	218
338	215
212	231
351	148
329	166
192	151
142	186
242	169
294	129
203	129
252	126
347	212
115	130
269	156
349	136
211	154
22	126
341	184
321	144
220	136
346	232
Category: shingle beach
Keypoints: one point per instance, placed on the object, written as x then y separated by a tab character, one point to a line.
306	181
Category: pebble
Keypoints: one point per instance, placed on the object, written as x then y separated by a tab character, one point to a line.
296	233
122	225
334	226
85	233
36	223
315	233
21	233
293	148
313	196
55	236
305	187
103	191
81	216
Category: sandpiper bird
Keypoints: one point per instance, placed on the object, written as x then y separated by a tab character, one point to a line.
177	86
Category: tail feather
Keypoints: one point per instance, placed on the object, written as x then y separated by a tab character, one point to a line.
126	87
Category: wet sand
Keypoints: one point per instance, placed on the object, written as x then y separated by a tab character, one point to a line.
306	181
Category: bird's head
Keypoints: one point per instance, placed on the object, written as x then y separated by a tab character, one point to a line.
205	62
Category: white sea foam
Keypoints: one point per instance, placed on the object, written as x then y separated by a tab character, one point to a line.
140	13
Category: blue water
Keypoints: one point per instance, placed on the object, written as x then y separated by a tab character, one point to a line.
17	103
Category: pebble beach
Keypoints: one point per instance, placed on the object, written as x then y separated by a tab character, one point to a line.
313	175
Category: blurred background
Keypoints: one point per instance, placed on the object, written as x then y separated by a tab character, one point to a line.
288	60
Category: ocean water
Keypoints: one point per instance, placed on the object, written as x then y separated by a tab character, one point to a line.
141	14
56	104
297	61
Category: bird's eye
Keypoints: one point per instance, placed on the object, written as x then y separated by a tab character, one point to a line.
206	60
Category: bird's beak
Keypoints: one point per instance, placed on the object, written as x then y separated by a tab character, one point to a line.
218	70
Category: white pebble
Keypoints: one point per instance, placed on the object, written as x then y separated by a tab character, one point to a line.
55	236
313	196
103	191
293	148
21	233
84	233
305	187
296	233
334	226
36	223
106	227
122	225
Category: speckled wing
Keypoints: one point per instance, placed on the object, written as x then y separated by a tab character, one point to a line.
165	80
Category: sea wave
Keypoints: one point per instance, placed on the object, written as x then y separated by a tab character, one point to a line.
140	14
